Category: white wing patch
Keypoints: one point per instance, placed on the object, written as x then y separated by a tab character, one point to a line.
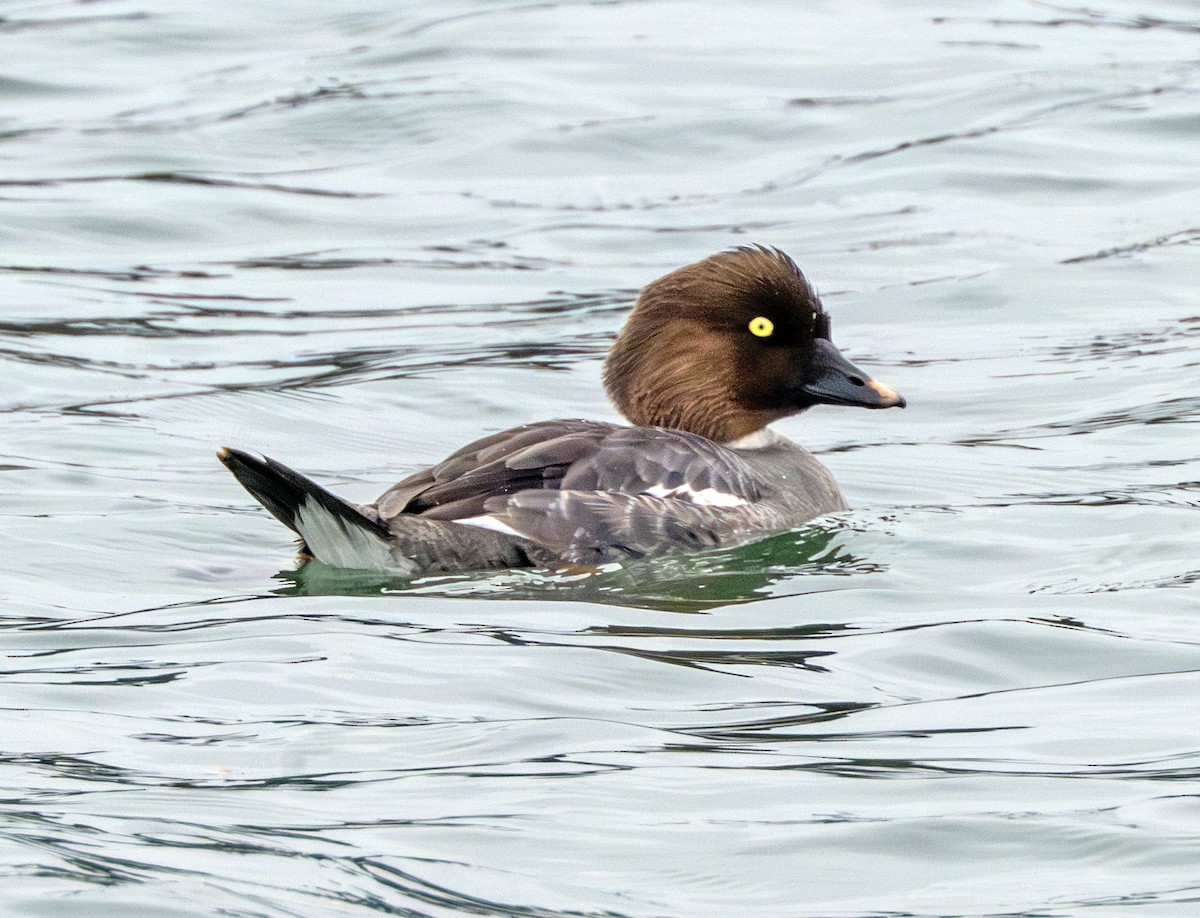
705	497
334	541
487	521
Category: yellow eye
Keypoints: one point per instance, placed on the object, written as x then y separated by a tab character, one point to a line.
762	327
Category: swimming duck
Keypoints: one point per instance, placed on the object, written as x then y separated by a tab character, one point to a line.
711	355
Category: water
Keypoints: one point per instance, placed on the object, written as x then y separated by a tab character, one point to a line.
356	236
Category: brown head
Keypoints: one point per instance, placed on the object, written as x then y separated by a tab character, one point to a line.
727	345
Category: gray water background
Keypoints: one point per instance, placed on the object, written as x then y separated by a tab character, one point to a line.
355	236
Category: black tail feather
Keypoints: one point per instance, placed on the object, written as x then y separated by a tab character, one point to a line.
283	491
337	533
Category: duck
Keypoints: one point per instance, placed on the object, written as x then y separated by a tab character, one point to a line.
710	356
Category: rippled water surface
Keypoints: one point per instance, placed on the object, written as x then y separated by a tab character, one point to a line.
355	236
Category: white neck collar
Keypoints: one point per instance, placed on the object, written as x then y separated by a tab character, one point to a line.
757	440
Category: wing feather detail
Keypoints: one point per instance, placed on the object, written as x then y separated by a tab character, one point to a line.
572	455
591	492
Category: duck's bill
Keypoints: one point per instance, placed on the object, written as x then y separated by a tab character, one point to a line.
834	380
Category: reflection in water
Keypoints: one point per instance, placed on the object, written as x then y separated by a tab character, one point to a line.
683	584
